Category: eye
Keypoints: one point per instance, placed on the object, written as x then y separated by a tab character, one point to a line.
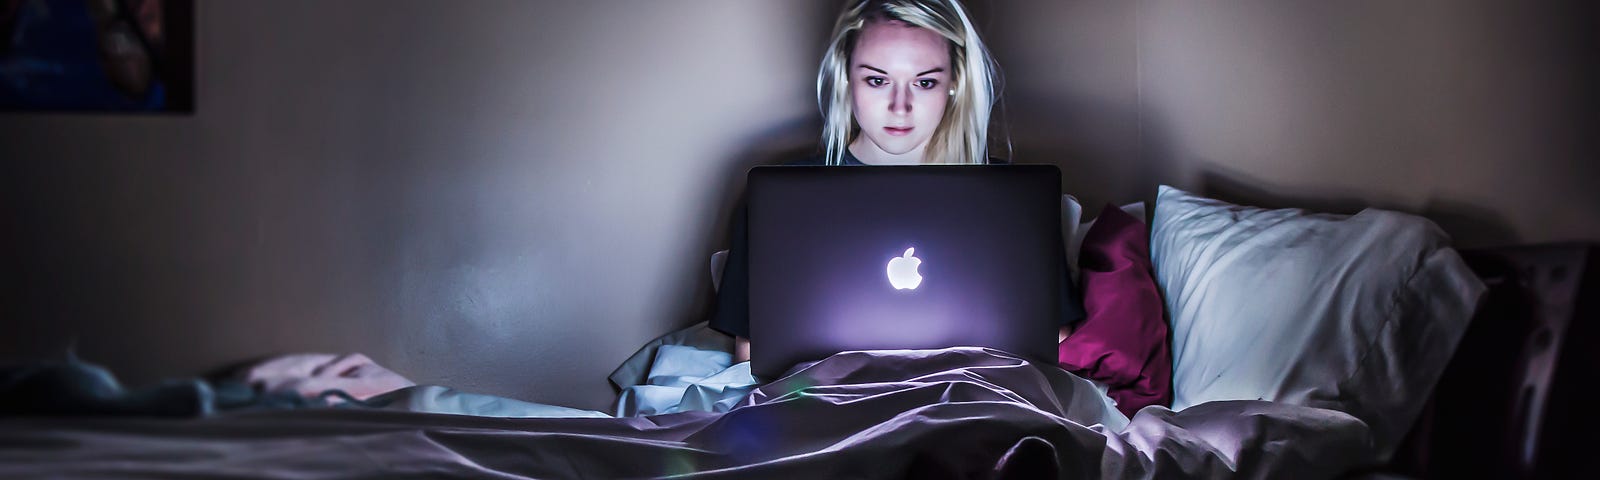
876	81
927	83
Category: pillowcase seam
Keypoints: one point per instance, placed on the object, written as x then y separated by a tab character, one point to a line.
1388	321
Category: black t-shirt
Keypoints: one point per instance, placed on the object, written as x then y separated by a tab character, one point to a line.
732	314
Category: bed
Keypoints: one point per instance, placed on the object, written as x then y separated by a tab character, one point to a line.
960	412
954	413
1508	404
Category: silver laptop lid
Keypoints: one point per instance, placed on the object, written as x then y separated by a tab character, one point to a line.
902	257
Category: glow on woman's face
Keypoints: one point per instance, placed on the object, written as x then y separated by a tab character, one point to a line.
899	83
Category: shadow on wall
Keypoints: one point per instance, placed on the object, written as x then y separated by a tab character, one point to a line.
1071	94
794	138
1106	152
1094	144
1468	225
777	144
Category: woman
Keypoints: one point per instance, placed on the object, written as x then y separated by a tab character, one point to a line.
904	82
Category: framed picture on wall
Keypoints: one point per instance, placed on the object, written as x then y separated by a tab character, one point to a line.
97	55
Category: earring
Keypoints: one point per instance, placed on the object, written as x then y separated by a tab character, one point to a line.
952	92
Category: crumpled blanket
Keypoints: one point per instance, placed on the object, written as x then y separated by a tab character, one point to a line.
439	399
689	369
299	381
355	381
948	413
75	387
687	379
311	374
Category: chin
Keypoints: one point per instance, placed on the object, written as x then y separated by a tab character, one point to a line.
897	146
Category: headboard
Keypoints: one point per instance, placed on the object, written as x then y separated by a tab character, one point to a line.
1508	404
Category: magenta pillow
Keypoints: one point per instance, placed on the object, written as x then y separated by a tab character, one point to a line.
1123	340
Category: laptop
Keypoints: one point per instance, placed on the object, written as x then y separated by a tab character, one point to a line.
902	257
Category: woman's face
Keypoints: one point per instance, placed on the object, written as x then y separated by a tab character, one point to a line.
899	83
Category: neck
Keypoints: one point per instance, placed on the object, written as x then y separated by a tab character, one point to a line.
869	153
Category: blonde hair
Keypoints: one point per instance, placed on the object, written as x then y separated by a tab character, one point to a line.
963	133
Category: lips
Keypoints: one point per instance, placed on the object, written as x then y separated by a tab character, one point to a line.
897	131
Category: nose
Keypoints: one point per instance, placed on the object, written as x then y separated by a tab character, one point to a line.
900	100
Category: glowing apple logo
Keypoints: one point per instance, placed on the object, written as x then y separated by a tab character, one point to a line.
903	271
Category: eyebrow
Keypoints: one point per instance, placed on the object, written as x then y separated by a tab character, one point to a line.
879	70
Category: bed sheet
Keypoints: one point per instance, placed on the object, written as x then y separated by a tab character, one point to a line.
949	413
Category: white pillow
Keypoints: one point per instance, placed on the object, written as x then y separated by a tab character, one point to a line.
1358	313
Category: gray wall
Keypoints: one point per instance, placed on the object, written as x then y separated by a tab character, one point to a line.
1072	94
503	196
510	197
1480	114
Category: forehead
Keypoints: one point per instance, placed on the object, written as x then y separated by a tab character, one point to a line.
900	47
